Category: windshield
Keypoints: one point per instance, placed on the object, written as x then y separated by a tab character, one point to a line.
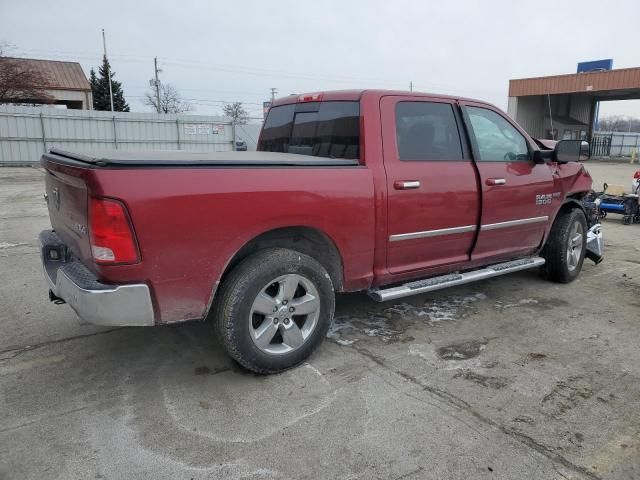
321	129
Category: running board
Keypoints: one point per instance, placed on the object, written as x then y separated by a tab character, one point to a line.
453	279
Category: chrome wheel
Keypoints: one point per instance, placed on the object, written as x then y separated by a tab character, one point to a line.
284	314
575	246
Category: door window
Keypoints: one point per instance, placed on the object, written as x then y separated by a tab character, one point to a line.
496	139
427	131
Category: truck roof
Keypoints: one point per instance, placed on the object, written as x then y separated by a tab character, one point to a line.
355	95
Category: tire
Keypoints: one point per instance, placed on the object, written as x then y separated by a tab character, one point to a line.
564	252
255	303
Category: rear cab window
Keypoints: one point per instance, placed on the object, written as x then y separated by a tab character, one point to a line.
322	129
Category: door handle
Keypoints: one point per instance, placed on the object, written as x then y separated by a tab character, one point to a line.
496	181
406	184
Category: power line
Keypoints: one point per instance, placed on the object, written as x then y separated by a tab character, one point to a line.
262	72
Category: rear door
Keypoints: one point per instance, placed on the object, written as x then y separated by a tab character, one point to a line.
516	192
433	201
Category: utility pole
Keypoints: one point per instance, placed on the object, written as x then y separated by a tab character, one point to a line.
157	82
411	85
273	93
104	46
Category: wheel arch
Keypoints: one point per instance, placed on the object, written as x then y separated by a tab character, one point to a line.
569	203
308	240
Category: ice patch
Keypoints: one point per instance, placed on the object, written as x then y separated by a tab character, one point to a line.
9	245
386	325
524	301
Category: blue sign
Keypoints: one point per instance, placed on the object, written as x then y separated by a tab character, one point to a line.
595	65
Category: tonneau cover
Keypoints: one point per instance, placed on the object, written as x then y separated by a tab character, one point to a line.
147	158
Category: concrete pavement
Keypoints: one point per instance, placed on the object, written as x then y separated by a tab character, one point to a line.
510	378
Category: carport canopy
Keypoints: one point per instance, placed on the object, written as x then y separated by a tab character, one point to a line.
563	106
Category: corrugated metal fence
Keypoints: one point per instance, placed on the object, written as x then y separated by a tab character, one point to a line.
615	144
27	132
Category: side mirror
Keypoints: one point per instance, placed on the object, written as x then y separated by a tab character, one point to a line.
571	151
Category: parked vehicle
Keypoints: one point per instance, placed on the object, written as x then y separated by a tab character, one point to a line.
395	193
241	146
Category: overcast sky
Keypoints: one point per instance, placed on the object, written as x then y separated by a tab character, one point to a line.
236	50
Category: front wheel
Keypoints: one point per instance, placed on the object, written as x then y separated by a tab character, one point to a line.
274	309
566	247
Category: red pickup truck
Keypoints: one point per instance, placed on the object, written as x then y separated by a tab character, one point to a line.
395	193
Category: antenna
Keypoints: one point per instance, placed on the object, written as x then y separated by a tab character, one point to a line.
550	117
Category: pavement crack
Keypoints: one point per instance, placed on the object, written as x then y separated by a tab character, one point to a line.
11	353
49	417
462	405
410	474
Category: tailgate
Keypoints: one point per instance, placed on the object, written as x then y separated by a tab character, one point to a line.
67	201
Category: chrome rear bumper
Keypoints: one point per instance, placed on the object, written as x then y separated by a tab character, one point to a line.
94	302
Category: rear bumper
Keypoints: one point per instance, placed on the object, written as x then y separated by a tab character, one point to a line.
94	302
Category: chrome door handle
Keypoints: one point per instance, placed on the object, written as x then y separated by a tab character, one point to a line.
406	184
496	181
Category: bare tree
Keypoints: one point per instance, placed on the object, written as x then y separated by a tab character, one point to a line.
19	83
236	112
612	123
618	123
170	100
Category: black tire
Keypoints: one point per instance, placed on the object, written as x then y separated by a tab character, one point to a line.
626	220
234	306
556	251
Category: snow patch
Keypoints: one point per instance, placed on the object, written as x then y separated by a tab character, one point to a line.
524	301
10	245
389	323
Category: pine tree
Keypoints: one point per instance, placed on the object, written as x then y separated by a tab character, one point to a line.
100	89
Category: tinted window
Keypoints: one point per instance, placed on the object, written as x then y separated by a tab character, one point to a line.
321	129
496	139
427	131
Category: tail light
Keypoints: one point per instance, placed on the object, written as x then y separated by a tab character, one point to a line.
112	238
310	97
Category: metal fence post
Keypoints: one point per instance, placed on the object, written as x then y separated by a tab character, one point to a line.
44	136
233	136
115	132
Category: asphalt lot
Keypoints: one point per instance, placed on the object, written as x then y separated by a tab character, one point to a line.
512	378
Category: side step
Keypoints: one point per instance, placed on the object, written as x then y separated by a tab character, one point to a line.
453	279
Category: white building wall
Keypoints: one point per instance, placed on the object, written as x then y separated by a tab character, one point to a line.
73	96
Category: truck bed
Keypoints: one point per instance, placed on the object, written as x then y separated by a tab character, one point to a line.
174	158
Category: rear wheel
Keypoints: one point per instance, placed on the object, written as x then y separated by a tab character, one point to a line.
566	247
273	309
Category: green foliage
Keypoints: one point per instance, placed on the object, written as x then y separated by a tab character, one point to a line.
100	89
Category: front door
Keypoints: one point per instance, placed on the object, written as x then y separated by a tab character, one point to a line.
516	192
433	200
